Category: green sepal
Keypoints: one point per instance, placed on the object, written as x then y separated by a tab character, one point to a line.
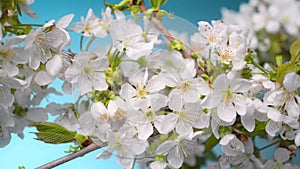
123	5
149	13
246	72
82	140
161	13
177	45
73	149
135	9
279	60
224	130
18	8
53	133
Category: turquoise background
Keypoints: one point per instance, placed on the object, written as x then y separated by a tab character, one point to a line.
31	153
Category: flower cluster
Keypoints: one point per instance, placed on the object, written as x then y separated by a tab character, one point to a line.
153	99
272	24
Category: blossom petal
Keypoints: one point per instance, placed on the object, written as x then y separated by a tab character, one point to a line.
273	127
274	114
175	157
127	91
291	81
43	78
165	147
175	100
191	95
248	121
99	82
240	104
98	109
239	85
221	83
212	100
158	101
64	21
168	123
281	155
183	128
37	114
297	139
226	139
145	131
226	112
54	65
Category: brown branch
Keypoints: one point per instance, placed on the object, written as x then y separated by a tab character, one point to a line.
93	146
166	33
157	23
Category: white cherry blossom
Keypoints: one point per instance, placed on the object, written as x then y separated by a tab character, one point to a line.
176	150
281	157
228	97
86	72
231	145
191	116
92	25
128	37
41	42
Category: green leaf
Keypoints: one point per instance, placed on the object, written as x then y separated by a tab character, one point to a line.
285	69
157	3
53	133
295	51
153	3
162	2
54	138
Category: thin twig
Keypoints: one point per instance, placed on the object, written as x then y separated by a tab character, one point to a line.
93	146
166	33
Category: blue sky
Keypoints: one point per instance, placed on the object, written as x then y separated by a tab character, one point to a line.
31	153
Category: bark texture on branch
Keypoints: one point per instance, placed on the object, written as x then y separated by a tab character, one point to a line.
93	146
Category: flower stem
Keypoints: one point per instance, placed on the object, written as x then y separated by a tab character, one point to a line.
260	67
132	167
81	41
89	43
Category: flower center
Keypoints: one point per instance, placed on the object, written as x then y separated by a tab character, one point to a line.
150	114
141	92
227	95
6	53
225	56
104	117
87	29
185	86
41	40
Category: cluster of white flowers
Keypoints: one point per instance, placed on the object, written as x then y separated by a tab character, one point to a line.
261	17
149	103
